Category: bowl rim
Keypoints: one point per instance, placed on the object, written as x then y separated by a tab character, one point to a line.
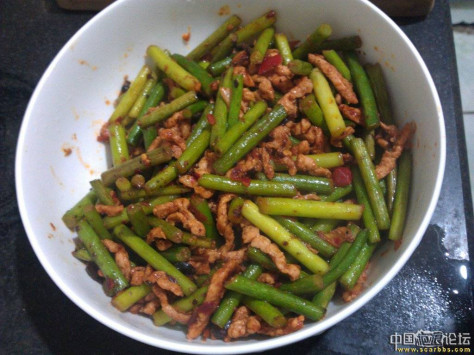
230	348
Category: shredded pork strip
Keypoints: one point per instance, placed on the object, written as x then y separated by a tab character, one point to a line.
337	236
308	165
313	197
154	234
204	165
225	94
147	305
291	326
312	134
251	234
224	226
137	275
121	256
202	314
178	211
349	295
110	211
337	141
342	85
248	81
288	101
165	282
243	324
201	267
265	88
191	182
389	157
281	78
352	113
174	138
249	96
268	278
280	139
257	160
170	311
150	307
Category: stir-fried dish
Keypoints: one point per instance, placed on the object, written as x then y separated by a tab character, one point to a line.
252	181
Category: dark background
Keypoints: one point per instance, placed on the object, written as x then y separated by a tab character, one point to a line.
429	293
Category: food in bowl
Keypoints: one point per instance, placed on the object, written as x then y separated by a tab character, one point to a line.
250	180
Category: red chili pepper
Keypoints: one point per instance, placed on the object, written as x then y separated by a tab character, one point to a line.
342	176
269	63
211	119
243	179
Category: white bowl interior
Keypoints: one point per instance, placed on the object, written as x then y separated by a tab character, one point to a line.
74	98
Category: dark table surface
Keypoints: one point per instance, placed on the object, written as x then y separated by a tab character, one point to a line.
432	292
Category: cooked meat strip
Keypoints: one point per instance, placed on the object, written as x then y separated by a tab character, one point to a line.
137	275
288	162
337	142
178	211
242	324
304	130
257	160
192	224
104	134
337	236
268	278
280	139
202	314
225	95
251	235
250	96
267	164
204	165
291	326
302	147
161	211
150	307
252	162
121	256
313	197
389	157
304	87
241	59
212	255
349	295
265	88
200	267
248	81
352	113
155	233
165	282
224	226
383	143
110	211
177	130
158	236
179	124
170	135
307	164
163	245
342	85
281	78
145	160
170	311
191	182
391	130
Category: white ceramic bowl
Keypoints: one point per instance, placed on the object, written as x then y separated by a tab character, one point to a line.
73	99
